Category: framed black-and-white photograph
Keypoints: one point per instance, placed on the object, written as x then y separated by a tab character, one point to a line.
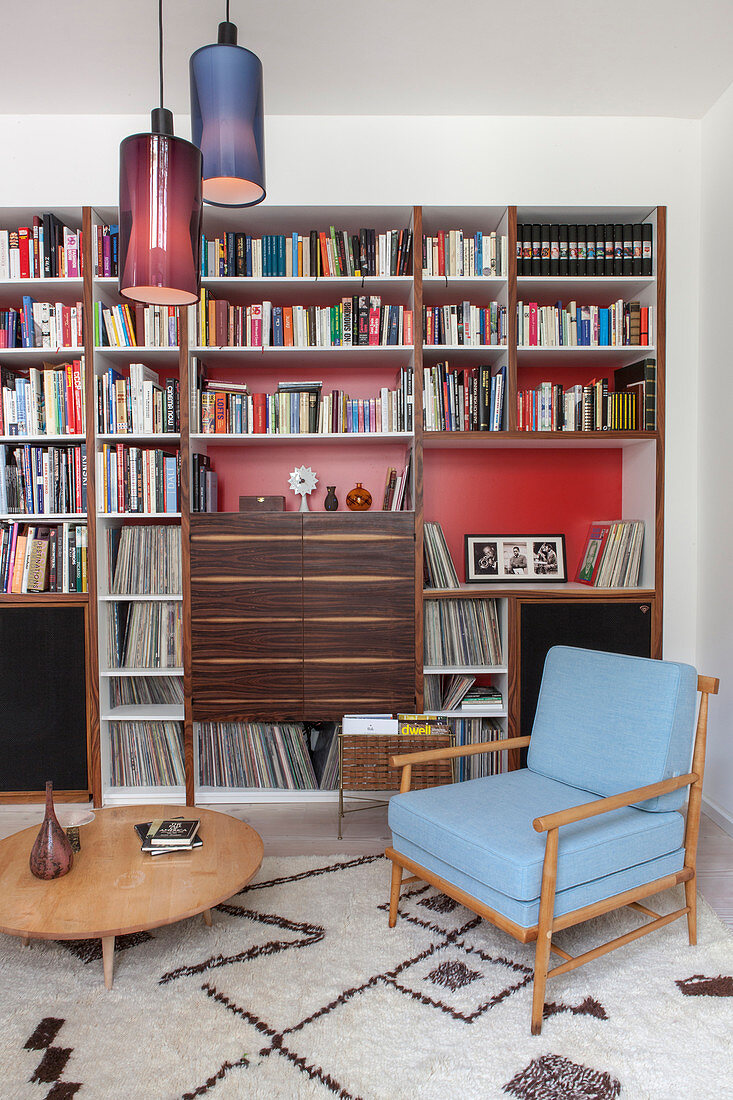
502	559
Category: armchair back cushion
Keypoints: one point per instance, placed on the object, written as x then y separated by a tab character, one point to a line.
607	722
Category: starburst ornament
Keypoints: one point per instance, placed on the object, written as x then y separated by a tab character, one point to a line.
303	481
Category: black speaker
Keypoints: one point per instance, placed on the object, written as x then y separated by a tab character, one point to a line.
616	627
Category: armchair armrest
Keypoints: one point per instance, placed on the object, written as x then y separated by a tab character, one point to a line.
613	802
459	750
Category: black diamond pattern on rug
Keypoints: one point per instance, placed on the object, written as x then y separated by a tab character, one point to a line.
454	975
91	950
441	903
556	1078
53	1063
699	986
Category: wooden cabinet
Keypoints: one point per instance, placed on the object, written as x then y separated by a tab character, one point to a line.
301	616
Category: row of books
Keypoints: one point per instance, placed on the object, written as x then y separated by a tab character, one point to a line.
138	479
51	401
460	691
146	754
145	634
46	249
133	326
609	249
255	754
50	325
204	485
631	406
462	632
465	324
43	480
144	559
439	570
451	252
107	239
139	404
475	731
397	489
321	254
127	691
358	321
43	559
622	324
463	400
611	557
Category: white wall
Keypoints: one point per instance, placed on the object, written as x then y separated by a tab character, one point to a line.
715	454
72	160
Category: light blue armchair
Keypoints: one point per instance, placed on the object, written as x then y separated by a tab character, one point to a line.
592	823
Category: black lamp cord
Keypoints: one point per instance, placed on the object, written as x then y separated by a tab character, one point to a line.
160	47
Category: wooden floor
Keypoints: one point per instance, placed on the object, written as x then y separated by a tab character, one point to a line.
311	829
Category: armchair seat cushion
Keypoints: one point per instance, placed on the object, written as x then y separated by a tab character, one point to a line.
483	829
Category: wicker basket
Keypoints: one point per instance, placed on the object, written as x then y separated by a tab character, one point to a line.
365	761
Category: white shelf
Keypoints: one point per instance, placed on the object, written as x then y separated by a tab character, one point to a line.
131	796
461	280
138	515
284	437
575	349
144	712
483	349
615	286
139	437
269	349
46	517
39	283
141	672
442	670
42	353
134	354
217	796
137	597
45	440
475	712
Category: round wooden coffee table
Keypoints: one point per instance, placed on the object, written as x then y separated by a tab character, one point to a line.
114	889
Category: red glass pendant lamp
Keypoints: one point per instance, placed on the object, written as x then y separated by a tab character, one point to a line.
160	211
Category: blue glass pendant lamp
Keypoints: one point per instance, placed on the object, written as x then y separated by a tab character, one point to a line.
227	119
160	211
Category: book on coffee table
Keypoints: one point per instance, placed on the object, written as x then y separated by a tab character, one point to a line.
148	845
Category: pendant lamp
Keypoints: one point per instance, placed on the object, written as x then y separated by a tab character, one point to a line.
227	119
160	211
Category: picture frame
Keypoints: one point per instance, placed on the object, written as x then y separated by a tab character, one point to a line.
508	559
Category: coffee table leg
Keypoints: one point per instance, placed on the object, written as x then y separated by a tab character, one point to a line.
207	917
108	958
26	941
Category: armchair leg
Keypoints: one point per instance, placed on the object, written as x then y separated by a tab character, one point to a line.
394	896
691	901
544	930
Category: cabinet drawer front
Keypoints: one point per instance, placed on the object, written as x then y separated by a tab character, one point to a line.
358	597
235	689
208	526
247	556
357	546
222	596
359	636
247	638
337	686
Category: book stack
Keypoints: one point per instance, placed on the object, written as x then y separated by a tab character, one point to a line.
204	484
170	835
474	731
138	405
125	326
595	250
43	480
50	401
317	254
42	325
107	241
137	479
446	692
397	489
622	324
462	633
611	557
358	321
47	249
463	400
484	697
464	324
43	559
454	253
147	754
438	568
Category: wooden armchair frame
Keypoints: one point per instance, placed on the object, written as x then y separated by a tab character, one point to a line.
551	824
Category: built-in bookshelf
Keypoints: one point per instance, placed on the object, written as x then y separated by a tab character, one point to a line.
418	351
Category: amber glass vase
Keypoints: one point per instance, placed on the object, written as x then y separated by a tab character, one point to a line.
51	854
359	499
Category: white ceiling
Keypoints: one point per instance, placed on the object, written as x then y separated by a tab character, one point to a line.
397	57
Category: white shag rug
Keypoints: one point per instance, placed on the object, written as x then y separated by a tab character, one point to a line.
301	990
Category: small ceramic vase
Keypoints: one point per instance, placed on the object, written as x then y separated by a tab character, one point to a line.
51	854
331	502
359	499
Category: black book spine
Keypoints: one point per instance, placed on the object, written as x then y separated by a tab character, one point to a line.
393	252
608	262
484	399
240	265
545	253
520	249
582	250
372	252
600	249
618	250
572	250
628	253
554	250
646	248
527	248
536	249
407	256
315	251
564	254
231	254
590	250
636	247
363	252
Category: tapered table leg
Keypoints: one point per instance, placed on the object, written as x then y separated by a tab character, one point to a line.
207	917
108	958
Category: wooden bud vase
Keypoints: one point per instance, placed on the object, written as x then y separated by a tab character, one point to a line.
51	854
